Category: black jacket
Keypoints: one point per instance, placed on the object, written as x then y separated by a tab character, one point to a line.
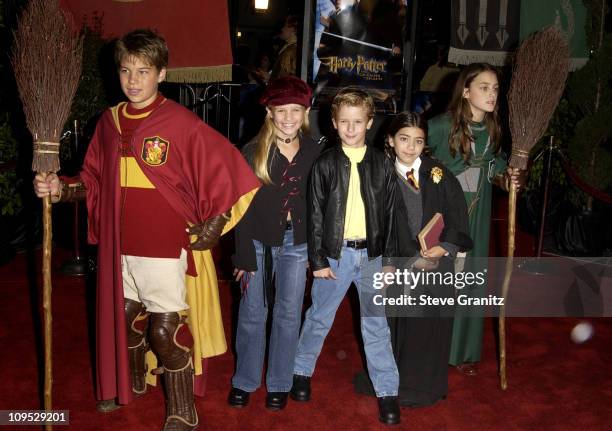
327	195
265	219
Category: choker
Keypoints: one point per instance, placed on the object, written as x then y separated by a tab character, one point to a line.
286	140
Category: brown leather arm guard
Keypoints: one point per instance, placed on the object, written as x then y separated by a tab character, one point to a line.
71	192
209	231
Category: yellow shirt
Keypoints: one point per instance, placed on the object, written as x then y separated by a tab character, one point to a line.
354	218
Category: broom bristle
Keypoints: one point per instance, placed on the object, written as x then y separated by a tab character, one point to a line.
47	63
538	79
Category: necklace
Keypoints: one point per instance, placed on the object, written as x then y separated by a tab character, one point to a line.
286	140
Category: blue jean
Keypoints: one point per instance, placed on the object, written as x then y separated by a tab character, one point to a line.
353	266
289	266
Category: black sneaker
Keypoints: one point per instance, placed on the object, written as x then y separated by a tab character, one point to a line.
388	410
276	400
238	398
300	391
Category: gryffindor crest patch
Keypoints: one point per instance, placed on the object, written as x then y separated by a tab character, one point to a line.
155	151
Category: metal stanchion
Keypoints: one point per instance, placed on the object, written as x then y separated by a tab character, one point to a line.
78	264
537	266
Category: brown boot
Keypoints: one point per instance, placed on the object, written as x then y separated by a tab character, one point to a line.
137	320
172	342
181	414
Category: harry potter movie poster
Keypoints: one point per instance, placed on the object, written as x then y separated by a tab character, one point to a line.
359	43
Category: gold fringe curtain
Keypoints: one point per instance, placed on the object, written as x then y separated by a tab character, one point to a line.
200	75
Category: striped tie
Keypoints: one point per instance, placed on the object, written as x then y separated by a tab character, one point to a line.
412	179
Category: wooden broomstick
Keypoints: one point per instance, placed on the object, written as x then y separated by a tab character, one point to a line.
47	64
539	73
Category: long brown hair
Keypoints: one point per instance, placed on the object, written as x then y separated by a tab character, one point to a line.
460	137
265	139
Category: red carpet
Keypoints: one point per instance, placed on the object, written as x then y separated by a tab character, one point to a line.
553	383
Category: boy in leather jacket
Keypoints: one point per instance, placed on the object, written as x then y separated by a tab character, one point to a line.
350	208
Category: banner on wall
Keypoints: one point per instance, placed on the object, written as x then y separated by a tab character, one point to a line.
490	30
359	43
196	31
484	31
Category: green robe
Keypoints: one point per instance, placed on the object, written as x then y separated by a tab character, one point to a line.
466	342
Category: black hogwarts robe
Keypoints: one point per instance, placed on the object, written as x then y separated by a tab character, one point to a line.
421	342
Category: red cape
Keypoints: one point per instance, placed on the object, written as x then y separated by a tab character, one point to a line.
202	176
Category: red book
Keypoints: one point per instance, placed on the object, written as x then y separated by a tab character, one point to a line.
430	235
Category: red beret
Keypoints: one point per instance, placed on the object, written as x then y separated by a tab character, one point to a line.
286	90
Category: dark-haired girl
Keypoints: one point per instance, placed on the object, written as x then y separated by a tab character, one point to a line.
421	335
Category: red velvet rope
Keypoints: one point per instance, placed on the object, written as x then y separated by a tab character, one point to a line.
583	185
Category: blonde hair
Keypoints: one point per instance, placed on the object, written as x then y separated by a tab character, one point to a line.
264	141
352	97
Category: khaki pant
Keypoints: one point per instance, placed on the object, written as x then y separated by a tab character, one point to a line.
159	283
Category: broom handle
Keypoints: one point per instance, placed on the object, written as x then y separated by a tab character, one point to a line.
47	237
506	285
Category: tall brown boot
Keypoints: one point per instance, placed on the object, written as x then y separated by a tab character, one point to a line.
172	342
180	412
137	320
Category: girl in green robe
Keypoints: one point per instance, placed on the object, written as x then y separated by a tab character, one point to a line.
467	140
